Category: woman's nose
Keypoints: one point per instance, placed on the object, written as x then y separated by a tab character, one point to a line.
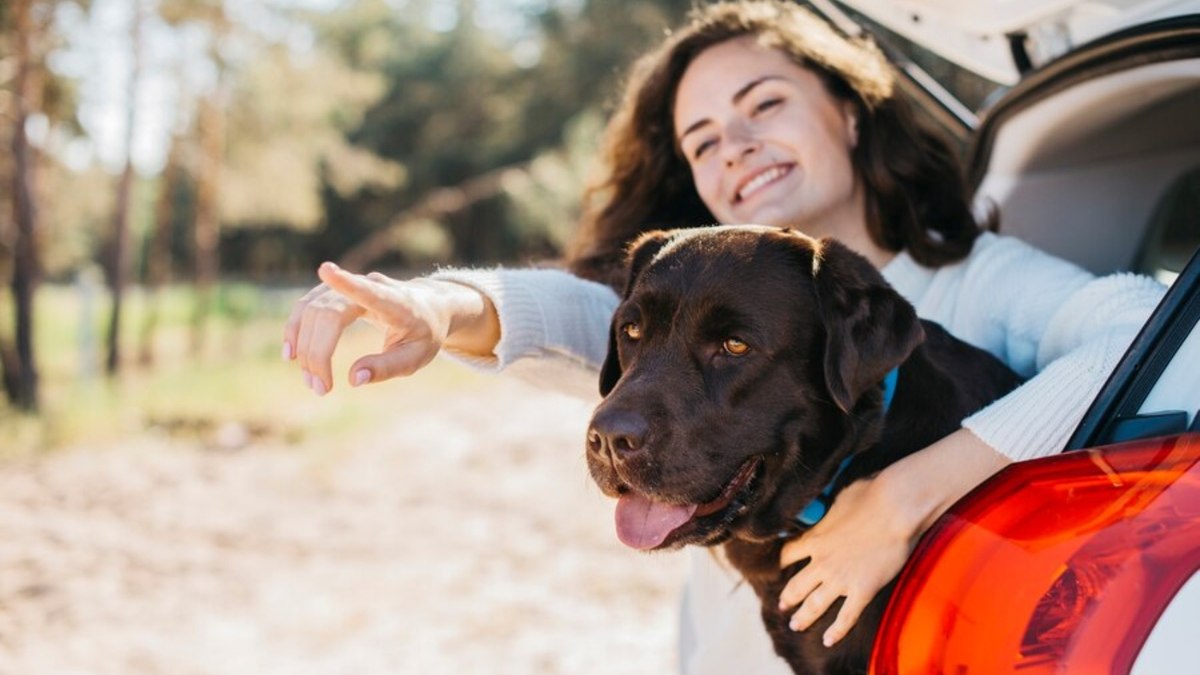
740	141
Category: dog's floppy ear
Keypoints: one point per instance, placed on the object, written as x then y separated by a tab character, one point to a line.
641	251
870	329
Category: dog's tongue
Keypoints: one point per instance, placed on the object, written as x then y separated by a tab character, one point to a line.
644	524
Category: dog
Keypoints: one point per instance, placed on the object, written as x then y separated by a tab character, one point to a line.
745	383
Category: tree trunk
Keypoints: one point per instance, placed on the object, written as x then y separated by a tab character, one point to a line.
119	272
25	216
208	223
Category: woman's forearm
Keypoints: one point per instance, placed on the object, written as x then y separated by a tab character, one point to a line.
925	484
541	314
474	324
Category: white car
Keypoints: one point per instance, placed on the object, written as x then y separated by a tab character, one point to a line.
1085	562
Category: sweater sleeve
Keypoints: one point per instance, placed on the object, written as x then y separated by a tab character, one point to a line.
1063	324
553	326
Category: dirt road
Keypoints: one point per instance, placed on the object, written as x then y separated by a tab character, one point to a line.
462	536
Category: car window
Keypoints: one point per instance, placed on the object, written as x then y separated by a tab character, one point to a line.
1154	390
1174	232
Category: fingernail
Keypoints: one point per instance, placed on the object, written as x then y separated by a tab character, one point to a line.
287	351
319	386
827	640
361	377
308	378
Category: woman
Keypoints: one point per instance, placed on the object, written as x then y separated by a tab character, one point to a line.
757	112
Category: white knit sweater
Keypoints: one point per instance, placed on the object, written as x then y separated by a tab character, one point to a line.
1046	318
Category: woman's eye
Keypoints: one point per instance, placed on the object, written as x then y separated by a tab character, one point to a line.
767	105
735	347
702	148
632	331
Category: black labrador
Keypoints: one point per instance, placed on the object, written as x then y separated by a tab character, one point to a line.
745	382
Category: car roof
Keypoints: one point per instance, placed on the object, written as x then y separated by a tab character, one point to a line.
994	38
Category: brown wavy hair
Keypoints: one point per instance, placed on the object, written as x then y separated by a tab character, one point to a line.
916	197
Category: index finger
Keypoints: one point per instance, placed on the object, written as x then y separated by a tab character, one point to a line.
361	289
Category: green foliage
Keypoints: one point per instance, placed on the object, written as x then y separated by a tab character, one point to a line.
333	125
468	101
285	133
339	120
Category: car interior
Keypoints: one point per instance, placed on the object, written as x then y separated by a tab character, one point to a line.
1106	171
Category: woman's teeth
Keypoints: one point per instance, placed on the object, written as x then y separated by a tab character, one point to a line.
760	181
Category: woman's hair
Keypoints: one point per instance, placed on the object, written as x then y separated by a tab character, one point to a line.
915	193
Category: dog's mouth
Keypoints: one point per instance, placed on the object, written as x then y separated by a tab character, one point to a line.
645	524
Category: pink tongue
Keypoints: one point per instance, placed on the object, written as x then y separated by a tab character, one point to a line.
644	524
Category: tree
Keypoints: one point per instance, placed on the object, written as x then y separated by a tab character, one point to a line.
210	139
468	101
118	273
21	367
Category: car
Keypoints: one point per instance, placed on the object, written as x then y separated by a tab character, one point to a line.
1089	148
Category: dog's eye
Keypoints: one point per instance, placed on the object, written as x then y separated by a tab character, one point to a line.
632	331
735	347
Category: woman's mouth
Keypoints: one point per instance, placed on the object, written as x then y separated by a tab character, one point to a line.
762	180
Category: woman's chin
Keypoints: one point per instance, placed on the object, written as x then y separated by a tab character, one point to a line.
770	214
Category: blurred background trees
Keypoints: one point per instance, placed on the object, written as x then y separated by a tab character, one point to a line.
178	148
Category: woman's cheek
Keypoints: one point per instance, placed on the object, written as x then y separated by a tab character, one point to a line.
707	178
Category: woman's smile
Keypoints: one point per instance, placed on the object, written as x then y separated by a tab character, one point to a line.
761	179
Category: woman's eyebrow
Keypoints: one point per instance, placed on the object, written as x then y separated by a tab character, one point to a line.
737	97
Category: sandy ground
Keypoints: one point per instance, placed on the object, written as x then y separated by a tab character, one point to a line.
462	536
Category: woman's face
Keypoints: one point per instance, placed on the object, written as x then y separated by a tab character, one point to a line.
766	142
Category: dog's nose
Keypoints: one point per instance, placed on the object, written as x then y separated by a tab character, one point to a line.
617	434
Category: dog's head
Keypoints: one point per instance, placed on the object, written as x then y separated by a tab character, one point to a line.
740	360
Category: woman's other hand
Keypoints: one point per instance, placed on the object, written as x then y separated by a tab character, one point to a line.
872	527
418	318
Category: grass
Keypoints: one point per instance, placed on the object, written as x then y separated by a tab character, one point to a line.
238	378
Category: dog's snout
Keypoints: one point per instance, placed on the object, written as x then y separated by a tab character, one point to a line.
617	433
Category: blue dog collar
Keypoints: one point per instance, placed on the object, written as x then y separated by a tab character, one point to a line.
889	387
817	508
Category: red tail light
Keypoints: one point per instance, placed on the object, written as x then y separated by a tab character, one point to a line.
1062	564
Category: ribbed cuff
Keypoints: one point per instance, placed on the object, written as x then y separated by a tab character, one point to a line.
1038	418
522	323
544	313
